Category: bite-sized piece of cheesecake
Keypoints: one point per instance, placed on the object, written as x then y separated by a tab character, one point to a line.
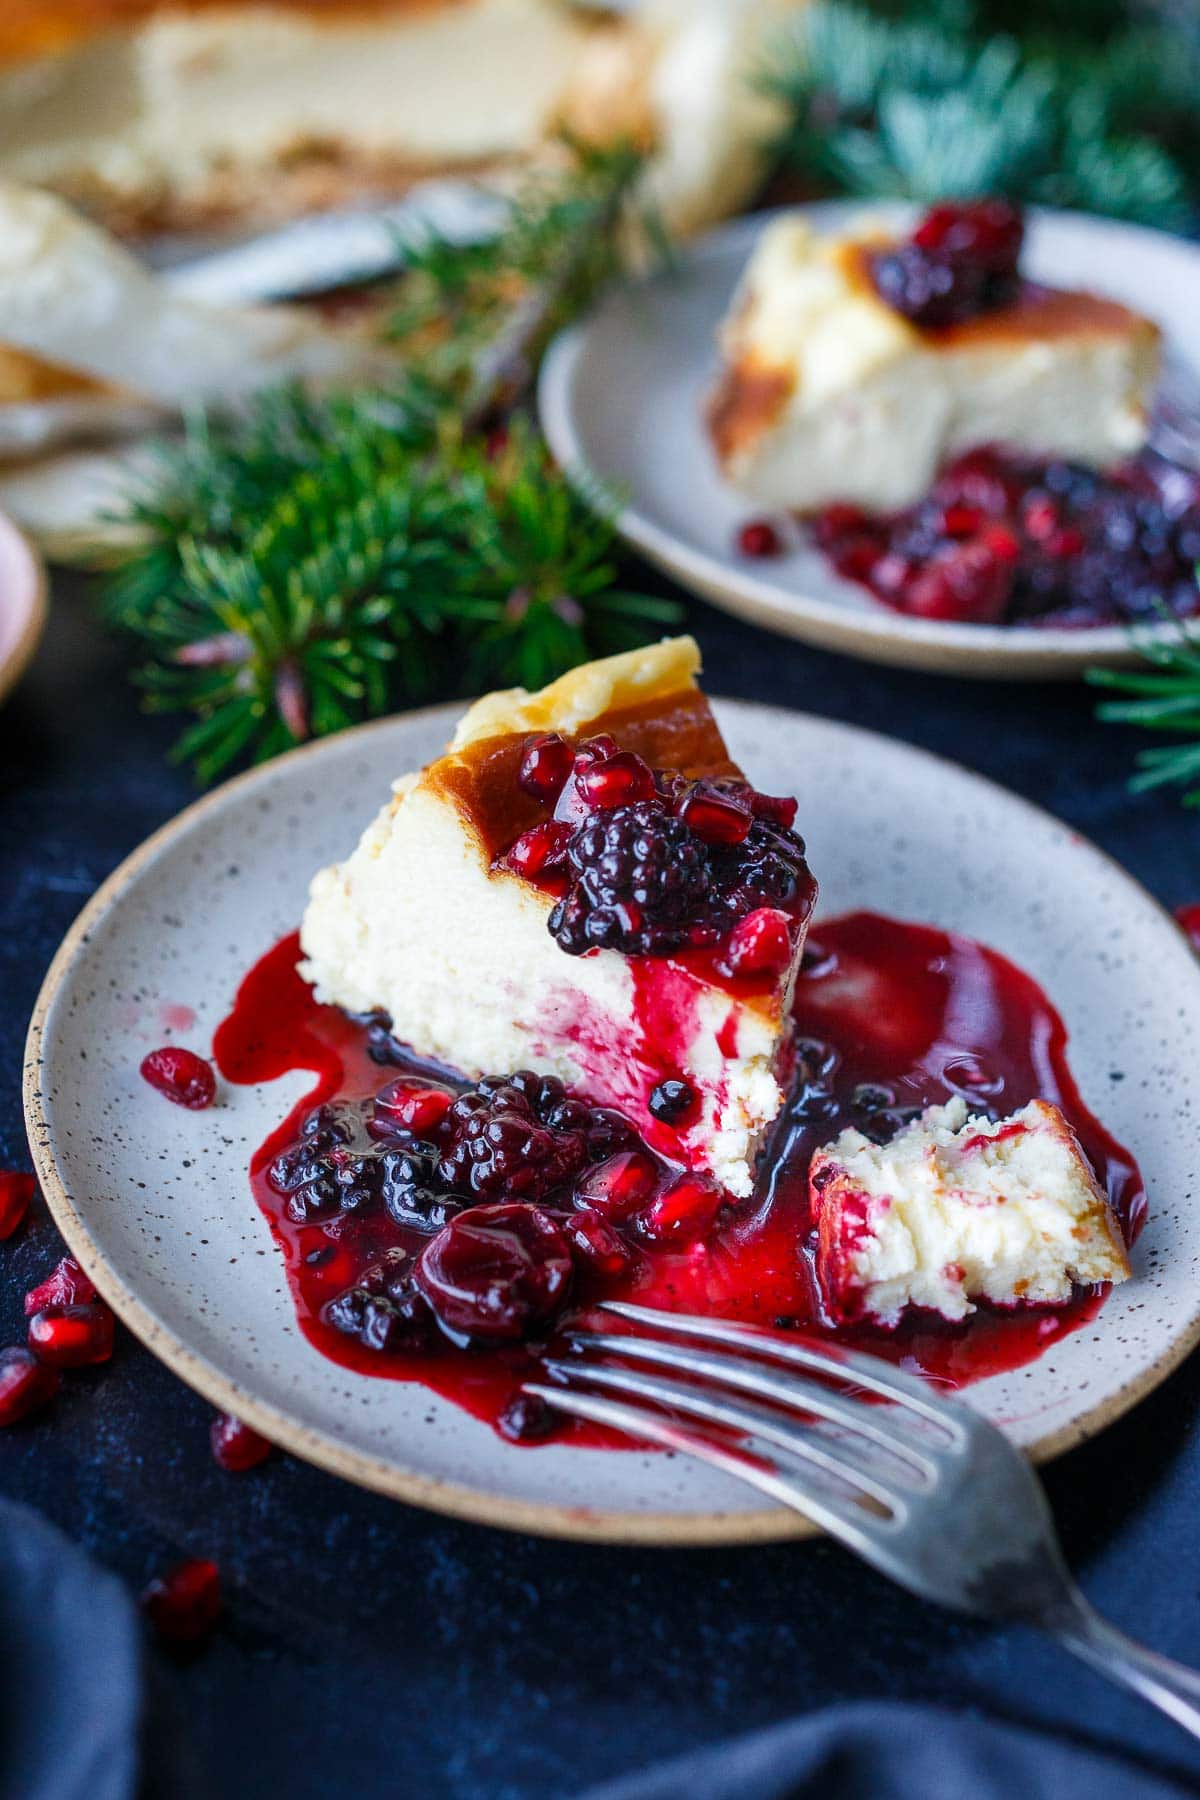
956	1209
855	365
584	885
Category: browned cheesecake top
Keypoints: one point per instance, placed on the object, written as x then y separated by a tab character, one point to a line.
675	731
32	28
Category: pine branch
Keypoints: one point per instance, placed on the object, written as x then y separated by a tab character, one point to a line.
319	560
1165	697
927	103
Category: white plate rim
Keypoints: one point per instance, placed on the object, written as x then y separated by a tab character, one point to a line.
879	635
458	1500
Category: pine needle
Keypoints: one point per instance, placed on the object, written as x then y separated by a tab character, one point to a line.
320	560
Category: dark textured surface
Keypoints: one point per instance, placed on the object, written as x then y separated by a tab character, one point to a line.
373	1650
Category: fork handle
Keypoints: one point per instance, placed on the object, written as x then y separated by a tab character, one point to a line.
1170	1686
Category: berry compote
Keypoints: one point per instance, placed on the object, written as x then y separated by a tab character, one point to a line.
960	261
653	863
1012	540
446	1232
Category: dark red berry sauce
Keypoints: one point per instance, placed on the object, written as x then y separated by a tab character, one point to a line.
1003	539
890	1018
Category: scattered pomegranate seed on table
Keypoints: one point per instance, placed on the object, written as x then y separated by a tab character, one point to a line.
181	1075
184	1605
16	1196
1188	920
67	1285
25	1384
237	1446
72	1337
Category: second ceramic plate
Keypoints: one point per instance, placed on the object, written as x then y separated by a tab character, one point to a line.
156	1203
621	396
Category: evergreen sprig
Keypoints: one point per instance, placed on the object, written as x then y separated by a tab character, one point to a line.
1063	106
1164	697
317	560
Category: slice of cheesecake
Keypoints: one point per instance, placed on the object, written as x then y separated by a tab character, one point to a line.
956	1209
831	391
93	344
584	885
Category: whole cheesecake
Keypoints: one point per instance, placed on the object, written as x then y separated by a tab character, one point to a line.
584	885
853	368
186	114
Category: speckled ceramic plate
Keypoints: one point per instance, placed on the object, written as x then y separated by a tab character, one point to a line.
621	395
155	1200
22	603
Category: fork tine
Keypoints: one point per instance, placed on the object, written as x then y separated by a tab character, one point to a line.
848	1523
755	1420
769	1384
869	1372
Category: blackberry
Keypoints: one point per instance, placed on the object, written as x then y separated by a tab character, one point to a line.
638	877
493	1144
380	1322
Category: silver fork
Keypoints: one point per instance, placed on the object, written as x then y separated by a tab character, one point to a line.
925	1489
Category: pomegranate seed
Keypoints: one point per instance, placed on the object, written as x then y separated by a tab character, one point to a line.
545	766
857	558
961	521
621	780
619	1186
1040	516
182	1076
837	521
235	1446
72	1337
777	809
420	1110
1000	543
538	849
25	1384
1066	542
682	1213
892	573
597	1244
968	583
16	1196
716	818
185	1604
67	1286
761	943
595	749
759	538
